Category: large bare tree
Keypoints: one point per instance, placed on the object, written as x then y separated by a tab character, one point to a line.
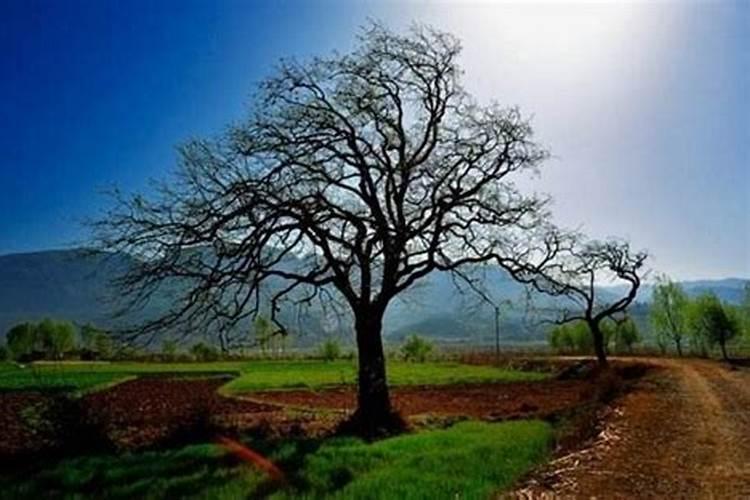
354	176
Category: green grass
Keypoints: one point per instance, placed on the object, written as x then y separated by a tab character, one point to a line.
317	374
81	376
198	471
252	375
468	460
6	367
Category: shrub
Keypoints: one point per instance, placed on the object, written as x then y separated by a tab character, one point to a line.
124	352
572	338
21	340
95	343
561	340
626	336
416	349
56	337
204	352
263	331
103	345
87	335
48	339
169	349
330	350
712	322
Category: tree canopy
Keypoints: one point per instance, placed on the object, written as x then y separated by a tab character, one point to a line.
49	338
713	323
353	177
668	312
362	171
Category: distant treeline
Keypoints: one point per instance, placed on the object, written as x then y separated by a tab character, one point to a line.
52	339
674	323
57	340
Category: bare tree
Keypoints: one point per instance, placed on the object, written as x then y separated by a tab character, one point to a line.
576	273
354	177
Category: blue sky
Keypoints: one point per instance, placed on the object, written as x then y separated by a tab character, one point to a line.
644	105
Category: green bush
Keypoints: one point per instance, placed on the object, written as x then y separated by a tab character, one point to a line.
124	352
416	349
330	350
169	349
103	345
711	322
95	343
21	340
56	338
571	338
625	336
263	332
204	352
48	339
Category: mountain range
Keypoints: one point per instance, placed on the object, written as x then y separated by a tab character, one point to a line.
75	285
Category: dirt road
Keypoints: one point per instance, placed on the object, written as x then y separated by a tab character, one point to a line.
684	432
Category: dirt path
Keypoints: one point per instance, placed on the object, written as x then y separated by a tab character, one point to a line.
683	433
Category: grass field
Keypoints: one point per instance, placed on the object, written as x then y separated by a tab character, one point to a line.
315	374
87	375
471	459
250	375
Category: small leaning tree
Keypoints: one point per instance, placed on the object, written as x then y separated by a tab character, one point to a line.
354	177
576	272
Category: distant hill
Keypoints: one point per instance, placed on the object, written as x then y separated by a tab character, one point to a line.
69	284
728	289
74	285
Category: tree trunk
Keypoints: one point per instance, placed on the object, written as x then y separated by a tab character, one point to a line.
599	347
679	346
723	346
374	416
223	342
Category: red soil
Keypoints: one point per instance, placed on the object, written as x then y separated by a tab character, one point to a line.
142	412
485	401
153	411
25	423
681	432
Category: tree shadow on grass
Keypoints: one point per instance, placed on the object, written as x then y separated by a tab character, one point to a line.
173	474
289	455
